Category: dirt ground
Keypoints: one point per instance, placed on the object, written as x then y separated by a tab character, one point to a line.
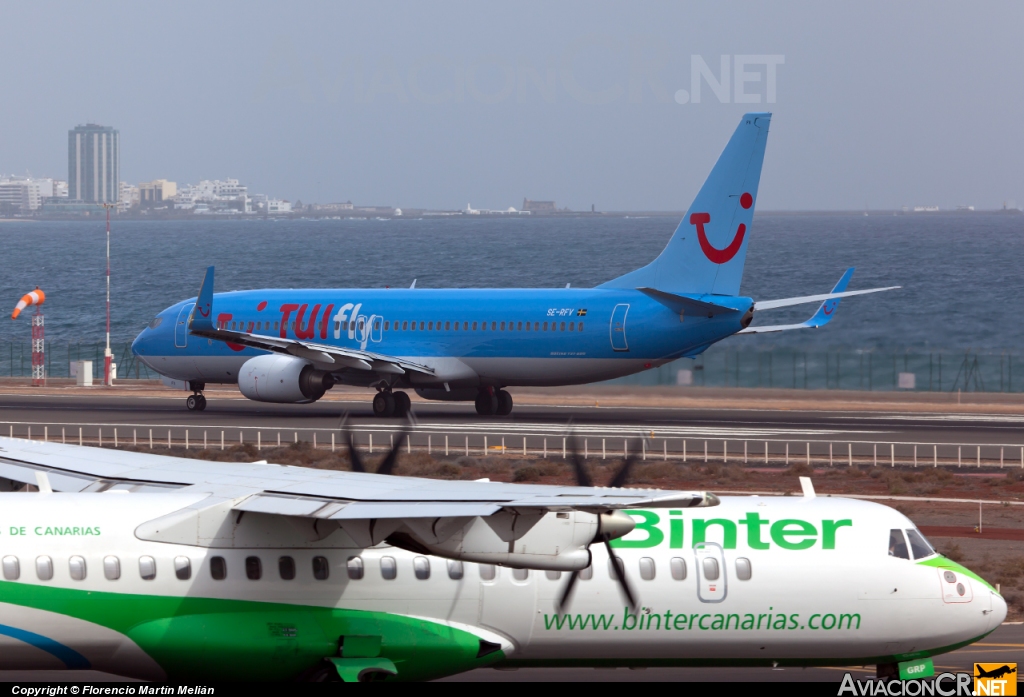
997	560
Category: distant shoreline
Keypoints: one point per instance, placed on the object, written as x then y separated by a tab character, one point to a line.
417	214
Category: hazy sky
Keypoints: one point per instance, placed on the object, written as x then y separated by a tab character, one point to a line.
442	104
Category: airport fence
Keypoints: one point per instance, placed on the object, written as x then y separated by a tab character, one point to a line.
538	441
840	369
16	359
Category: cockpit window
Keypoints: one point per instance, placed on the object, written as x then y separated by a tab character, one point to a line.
919	545
897	544
155	322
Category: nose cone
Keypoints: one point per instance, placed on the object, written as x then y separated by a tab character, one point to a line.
998	615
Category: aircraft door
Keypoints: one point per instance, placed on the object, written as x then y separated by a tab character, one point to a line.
711	572
618	327
181	326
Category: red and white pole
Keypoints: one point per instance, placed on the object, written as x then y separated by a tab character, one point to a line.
107	355
38	350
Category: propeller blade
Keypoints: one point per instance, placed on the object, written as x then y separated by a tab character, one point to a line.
388	465
622	476
620	575
353	455
563	601
582	476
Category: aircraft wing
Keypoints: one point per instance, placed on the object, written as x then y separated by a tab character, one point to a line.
307	492
336	357
824	313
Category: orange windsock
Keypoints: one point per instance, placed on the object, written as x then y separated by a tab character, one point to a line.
36	297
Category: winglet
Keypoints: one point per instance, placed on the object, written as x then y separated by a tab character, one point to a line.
202	315
827	309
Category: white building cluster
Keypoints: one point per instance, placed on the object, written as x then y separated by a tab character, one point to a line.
226	197
26	194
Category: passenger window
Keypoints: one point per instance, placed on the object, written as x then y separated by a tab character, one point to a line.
488	572
421	565
218	568
405	325
388	568
536	326
494	326
710	569
897	545
553	575
447	326
474	326
647	569
519	326
421	326
455	569
919	545
147	568
182	568
455	326
563	326
587	573
743	570
611	569
111	568
376	326
572	326
545	326
465	326
44	568
76	566
253	568
581	326
232	325
502	326
321	569
286	568
527	326
275	326
387	325
677	566
362	324
355	568
430	326
12	569
520	574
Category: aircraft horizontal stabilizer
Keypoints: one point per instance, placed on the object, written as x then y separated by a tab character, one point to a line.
681	303
823	315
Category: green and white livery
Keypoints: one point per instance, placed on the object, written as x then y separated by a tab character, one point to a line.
166	568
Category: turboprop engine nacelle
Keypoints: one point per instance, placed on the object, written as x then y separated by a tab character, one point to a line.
520	539
277	378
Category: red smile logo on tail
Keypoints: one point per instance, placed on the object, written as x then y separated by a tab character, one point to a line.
720	256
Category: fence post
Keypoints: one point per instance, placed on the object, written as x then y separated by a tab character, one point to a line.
563	447
959	455
332	441
935	455
204	440
892	454
725	452
278	438
168	439
546	450
1000	457
135	437
664	446
46	435
186	438
915	455
766	452
604	452
876	454
808	453
62	438
849	454
99	436
829	454
485	444
297	439
744	452
586	448
705	451
259	440
787	454
979	456
503	445
408	445
241	437
430	447
371	442
643	448
222	439
150	437
314	438
684	452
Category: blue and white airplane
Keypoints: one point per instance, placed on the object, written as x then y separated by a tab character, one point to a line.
469	344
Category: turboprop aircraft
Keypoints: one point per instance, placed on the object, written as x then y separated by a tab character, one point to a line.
469	344
164	568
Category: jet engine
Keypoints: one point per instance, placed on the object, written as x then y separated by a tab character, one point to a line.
286	379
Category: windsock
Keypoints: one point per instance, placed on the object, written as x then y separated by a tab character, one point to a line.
36	297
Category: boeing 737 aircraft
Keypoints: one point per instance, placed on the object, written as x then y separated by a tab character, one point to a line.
469	344
166	568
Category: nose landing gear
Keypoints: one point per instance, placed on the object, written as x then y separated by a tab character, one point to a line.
196	401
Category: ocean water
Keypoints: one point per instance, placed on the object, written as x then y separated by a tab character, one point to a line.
961	274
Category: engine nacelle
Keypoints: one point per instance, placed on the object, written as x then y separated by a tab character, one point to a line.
530	540
285	379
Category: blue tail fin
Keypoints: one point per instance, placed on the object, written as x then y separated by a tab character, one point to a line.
707	250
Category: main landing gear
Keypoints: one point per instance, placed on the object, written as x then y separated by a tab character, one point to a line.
196	401
388	403
493	402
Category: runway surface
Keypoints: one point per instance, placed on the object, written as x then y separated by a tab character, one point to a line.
533	421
